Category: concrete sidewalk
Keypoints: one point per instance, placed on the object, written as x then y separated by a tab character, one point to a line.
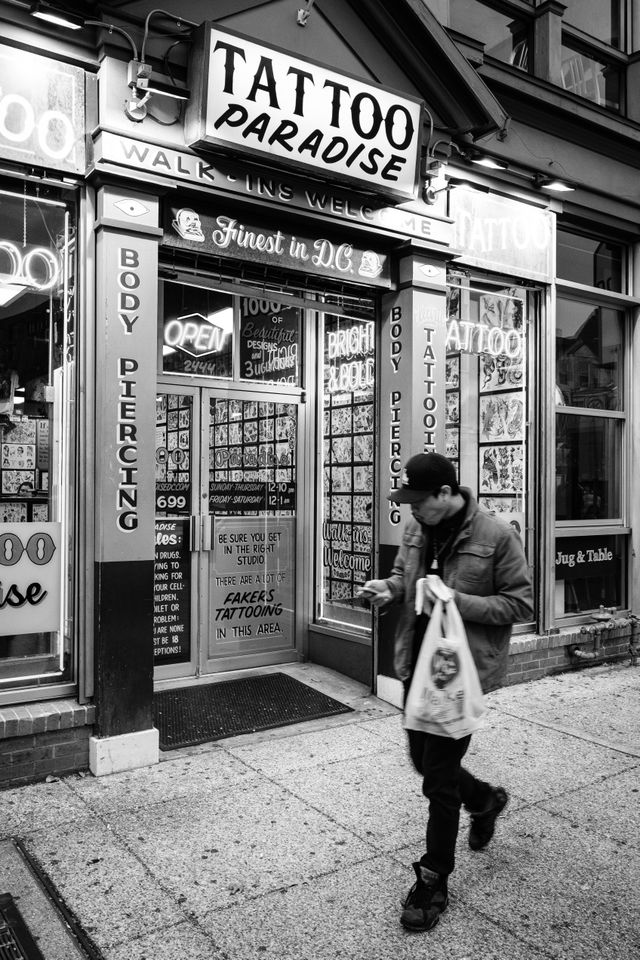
298	842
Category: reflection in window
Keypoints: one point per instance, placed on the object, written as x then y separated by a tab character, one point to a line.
173	454
601	19
504	38
347	476
486	395
589	355
592	79
588	475
590	572
252	456
196	331
590	260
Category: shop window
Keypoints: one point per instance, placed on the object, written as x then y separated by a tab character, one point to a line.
589	355
601	19
487	396
590	77
590	572
591	261
590	561
346	523
195	334
209	333
36	441
505	37
270	341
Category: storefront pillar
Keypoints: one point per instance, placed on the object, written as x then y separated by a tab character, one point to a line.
127	237
412	403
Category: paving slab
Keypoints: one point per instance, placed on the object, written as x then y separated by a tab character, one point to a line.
609	809
586	684
534	762
570	891
39	807
182	940
106	886
378	798
613	719
308	749
389	728
354	914
203	775
250	840
45	924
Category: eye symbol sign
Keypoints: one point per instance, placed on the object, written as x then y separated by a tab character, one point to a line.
133	208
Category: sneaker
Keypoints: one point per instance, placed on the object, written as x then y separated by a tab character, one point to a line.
426	900
483	824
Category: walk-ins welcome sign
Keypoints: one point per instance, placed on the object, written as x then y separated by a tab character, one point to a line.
261	101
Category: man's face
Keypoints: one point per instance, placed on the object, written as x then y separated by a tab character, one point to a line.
433	508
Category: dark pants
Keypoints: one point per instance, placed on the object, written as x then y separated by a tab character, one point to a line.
447	786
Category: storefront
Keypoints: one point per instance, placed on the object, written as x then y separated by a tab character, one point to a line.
226	328
262	288
521	370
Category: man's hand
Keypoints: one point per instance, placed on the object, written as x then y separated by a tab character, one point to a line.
376	592
428	590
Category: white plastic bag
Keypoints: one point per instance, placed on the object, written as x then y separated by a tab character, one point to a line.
445	697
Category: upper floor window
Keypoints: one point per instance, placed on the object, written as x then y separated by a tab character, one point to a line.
505	37
591	261
601	19
592	493
591	77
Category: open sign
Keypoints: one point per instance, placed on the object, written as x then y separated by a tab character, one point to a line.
195	335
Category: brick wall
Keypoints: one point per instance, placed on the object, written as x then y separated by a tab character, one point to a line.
44	739
533	657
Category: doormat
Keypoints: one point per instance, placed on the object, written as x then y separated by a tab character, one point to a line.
218	710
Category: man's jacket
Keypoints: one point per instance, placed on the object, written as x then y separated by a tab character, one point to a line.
487	570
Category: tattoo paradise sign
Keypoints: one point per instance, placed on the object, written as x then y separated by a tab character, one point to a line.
264	102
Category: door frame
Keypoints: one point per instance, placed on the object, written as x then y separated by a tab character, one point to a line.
201	390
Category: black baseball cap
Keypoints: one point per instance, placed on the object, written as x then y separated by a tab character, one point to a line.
423	474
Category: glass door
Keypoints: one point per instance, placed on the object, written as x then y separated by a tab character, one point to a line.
249	485
226	486
177	509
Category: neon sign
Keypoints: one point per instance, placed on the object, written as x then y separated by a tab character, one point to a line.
47	127
195	334
478	338
38	269
354	375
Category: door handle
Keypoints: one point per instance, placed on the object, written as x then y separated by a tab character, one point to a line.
207	523
194	533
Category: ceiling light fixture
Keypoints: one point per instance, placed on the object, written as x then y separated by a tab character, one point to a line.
553	184
491	163
61	18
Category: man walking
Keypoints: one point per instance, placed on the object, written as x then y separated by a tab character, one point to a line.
481	559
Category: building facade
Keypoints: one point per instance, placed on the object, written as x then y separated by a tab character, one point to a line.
251	261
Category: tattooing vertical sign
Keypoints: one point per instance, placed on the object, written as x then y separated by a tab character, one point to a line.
126	372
